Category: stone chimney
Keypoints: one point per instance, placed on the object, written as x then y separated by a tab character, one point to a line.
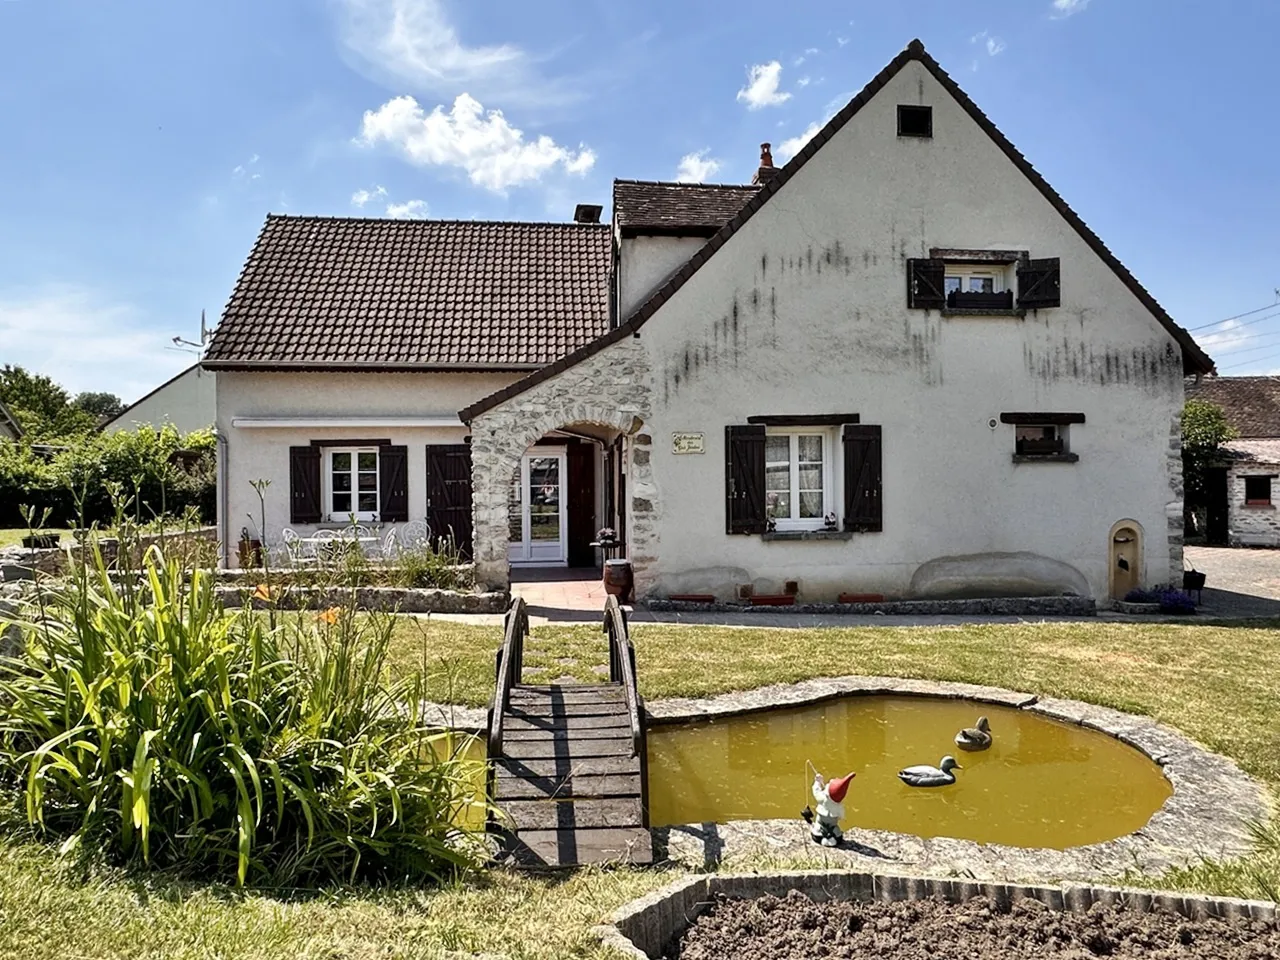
767	170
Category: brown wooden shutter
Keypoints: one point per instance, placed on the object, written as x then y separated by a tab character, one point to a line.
449	493
304	485
926	284
863	507
393	469
1040	284
744	478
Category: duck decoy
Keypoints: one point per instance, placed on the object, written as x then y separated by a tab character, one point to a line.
975	738
927	776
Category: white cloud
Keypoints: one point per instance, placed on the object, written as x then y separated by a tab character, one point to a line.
245	171
841	41
494	154
1065	8
88	341
792	145
762	86
413	42
361	197
697	167
803	82
409	210
994	45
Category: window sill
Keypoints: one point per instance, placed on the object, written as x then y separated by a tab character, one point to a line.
982	312
1259	506
1045	457
785	535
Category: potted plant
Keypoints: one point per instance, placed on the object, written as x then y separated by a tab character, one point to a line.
829	522
606	536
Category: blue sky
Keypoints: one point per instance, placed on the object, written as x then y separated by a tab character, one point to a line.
142	142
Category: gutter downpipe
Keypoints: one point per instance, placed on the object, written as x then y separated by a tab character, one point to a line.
224	545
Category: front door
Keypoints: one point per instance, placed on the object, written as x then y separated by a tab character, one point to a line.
536	514
1215	494
449	494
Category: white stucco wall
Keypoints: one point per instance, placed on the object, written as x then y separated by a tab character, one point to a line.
263	453
804	311
645	263
188	401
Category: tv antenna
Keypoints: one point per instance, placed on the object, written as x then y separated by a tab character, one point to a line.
190	346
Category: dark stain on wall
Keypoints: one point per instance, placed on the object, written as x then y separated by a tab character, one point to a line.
1149	367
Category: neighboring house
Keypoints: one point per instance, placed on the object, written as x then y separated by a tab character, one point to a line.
188	401
10	429
1241	510
899	365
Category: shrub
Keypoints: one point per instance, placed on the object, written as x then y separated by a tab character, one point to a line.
144	720
1175	601
1139	595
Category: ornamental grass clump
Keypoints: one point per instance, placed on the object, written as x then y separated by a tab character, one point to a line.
144	721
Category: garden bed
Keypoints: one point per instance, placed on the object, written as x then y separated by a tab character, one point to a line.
780	916
989	606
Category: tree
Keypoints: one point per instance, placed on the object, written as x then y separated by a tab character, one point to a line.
42	407
104	406
1204	430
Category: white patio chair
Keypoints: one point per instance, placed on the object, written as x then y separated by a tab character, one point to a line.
391	545
295	547
328	545
414	535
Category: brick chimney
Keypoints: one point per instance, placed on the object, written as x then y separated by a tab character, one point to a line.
767	170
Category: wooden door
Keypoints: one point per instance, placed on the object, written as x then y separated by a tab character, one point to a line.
1215	493
449	493
582	504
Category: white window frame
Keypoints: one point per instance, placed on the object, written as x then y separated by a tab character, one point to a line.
966	271
327	491
830	448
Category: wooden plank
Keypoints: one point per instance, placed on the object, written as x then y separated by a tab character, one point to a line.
554	848
553	749
559	733
506	767
561	788
545	708
571	723
563	695
571	814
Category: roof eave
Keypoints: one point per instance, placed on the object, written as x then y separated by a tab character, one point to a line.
314	366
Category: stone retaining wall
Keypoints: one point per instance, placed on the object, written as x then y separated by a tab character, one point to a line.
646	927
384	599
21	563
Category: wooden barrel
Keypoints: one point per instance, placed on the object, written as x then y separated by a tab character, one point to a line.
617	578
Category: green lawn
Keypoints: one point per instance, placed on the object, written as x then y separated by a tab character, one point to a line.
1220	685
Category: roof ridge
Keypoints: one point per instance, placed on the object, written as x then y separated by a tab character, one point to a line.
681	183
345	218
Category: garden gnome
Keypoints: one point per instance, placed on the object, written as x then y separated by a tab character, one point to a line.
825	826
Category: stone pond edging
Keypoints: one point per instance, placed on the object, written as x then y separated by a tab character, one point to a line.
385	599
644	928
1209	814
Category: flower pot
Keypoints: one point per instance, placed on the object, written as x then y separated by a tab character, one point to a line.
618	579
773	600
693	597
861	598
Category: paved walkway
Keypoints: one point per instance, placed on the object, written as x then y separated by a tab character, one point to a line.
1240	582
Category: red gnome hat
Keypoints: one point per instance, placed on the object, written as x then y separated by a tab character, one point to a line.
836	789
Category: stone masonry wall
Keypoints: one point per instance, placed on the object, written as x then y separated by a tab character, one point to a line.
1173	509
609	389
1252	526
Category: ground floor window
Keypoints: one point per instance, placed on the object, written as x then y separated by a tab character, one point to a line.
1257	491
798	482
351	476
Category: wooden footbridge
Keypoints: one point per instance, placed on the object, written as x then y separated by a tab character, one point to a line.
567	765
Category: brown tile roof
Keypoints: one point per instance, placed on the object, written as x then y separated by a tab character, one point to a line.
1252	404
351	293
1194	359
1253	451
689	209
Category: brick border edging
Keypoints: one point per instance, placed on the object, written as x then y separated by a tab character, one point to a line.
643	928
1208	815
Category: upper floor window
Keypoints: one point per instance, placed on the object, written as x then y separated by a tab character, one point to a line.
915	121
983	282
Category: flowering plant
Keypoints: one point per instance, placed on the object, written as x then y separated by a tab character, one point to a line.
606	533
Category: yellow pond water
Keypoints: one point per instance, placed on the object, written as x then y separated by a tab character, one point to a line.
1041	784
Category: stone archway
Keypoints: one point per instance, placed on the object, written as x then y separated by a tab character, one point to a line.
609	390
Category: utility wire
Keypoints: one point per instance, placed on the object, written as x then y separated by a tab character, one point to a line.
1228	339
1247	313
1230	353
1245	363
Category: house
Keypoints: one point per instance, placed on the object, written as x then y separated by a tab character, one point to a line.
187	401
10	429
1240	507
898	365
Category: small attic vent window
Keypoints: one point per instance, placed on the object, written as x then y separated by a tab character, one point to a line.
915	121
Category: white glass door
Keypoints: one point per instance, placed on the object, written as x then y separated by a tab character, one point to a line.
536	516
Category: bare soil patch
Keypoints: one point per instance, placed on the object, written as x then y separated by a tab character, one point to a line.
770	928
